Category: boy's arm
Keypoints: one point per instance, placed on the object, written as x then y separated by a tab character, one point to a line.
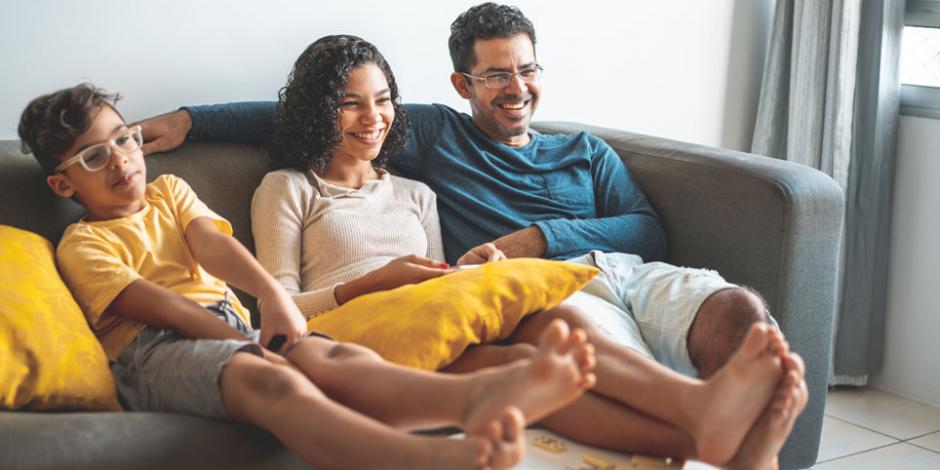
146	302
226	258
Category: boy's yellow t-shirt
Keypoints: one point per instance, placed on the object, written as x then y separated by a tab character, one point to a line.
98	260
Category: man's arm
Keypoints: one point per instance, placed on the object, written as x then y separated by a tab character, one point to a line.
248	122
625	221
226	258
529	242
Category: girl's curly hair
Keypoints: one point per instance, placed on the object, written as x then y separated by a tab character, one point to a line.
305	122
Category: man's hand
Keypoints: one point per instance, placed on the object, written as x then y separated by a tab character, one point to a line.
529	242
280	316
165	132
484	253
410	269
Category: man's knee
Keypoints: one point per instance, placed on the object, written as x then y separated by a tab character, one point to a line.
721	324
572	315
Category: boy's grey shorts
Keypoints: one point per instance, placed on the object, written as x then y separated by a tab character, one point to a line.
163	371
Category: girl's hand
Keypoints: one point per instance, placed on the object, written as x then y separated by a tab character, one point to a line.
410	269
484	253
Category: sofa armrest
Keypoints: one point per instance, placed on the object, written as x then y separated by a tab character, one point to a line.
766	223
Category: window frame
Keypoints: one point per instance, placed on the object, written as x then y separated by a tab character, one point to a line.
920	100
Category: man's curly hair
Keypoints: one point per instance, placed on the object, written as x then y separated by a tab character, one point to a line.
306	133
484	21
51	123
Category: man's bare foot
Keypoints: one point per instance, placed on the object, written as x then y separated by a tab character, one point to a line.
555	376
723	410
500	445
761	446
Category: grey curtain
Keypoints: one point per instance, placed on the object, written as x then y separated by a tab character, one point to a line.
829	99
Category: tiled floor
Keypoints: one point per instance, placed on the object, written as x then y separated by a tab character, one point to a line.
863	429
870	429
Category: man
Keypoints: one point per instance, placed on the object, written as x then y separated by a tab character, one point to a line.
565	197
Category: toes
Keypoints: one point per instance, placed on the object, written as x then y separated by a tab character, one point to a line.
794	362
554	336
588	380
585	358
512	423
756	340
575	340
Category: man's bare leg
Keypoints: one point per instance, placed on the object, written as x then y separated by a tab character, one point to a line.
327	435
717	413
556	375
761	446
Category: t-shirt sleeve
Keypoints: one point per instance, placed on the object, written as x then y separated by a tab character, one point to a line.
250	122
625	220
187	205
94	271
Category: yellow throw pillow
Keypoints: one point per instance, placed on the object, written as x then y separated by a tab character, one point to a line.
49	358
429	325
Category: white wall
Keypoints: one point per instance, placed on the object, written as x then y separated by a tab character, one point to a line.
912	341
684	69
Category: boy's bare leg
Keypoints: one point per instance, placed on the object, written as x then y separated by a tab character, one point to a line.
411	399
717	413
327	435
761	446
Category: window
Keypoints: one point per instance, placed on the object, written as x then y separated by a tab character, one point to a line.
920	59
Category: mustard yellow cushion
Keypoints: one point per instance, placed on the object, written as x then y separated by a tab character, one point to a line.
49	358
429	325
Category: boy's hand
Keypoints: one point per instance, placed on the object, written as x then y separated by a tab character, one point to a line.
165	132
484	253
280	316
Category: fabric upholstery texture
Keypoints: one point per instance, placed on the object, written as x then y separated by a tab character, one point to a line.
429	325
769	224
49	358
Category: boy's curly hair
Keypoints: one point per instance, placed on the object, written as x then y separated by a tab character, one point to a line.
50	123
305	122
484	21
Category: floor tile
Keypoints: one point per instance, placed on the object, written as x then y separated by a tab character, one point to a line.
840	439
930	441
883	412
897	456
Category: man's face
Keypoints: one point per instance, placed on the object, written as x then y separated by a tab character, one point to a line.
504	113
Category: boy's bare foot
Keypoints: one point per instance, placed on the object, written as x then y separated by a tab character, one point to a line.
556	375
729	403
501	445
761	446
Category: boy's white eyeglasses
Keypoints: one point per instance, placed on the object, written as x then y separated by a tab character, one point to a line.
98	156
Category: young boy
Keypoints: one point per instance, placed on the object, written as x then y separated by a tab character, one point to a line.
148	266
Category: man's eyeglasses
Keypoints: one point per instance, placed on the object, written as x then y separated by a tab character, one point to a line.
499	80
98	156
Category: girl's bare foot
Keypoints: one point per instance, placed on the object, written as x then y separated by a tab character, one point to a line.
555	376
727	405
761	446
501	445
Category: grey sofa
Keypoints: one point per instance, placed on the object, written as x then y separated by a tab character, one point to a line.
762	222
